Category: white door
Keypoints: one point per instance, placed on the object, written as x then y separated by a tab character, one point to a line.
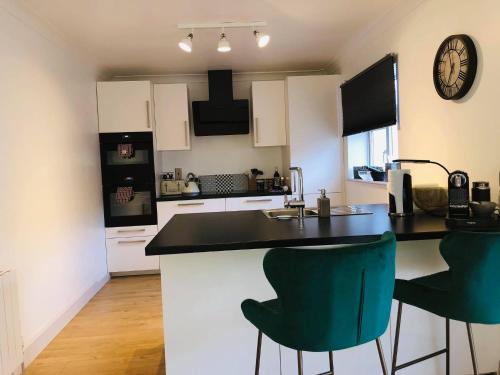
124	106
269	113
172	117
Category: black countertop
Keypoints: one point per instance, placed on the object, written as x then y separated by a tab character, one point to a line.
236	194
192	233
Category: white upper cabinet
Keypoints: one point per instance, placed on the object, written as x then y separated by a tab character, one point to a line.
313	127
269	113
124	106
172	117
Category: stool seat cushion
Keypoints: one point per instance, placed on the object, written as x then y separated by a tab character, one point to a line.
327	299
470	290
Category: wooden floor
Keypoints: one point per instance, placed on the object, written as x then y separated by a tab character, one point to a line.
119	332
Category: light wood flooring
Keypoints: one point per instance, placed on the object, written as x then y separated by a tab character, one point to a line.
119	332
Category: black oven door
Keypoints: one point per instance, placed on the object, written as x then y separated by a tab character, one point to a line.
135	206
139	163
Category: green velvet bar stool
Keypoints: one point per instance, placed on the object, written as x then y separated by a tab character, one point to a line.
327	299
468	292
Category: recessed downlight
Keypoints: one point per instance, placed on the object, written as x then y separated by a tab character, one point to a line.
186	44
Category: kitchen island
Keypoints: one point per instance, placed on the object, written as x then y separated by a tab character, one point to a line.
211	262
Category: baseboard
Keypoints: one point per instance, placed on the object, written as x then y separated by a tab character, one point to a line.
32	350
134	273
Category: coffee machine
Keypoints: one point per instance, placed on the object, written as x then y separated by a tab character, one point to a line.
458	195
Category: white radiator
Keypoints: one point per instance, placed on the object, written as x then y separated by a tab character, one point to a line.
11	350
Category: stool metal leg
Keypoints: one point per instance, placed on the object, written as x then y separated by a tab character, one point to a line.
447	346
257	359
396	340
330	356
299	362
382	358
472	348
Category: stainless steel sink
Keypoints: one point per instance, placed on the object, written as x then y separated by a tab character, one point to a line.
288	213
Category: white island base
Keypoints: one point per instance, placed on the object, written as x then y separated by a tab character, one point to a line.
205	331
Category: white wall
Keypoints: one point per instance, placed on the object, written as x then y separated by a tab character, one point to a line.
461	135
51	221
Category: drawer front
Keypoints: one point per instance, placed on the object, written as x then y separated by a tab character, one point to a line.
254	203
135	231
128	254
168	209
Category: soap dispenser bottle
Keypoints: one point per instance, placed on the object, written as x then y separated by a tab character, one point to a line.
323	204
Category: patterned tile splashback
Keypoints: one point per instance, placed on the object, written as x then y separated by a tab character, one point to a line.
223	183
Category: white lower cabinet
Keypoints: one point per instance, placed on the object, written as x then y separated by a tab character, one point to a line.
128	255
254	203
125	247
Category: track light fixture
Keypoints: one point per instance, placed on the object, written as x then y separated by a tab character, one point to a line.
223	45
186	44
262	39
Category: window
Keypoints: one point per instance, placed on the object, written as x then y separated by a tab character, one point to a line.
383	146
373	148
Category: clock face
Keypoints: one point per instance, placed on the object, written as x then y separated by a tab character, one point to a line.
455	67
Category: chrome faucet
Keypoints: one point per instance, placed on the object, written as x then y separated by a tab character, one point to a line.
300	204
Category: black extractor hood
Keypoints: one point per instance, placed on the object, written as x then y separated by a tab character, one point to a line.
221	115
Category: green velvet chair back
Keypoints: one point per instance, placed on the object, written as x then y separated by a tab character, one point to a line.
474	261
332	299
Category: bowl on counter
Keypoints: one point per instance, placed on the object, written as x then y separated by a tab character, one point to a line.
483	209
431	199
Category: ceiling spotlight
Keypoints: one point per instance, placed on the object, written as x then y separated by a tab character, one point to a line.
223	45
262	39
186	44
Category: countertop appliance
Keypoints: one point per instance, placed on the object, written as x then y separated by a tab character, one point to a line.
170	187
458	195
128	179
400	192
190	185
221	114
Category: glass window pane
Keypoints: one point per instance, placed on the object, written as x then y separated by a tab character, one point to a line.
378	151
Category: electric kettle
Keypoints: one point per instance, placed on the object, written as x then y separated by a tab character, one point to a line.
190	186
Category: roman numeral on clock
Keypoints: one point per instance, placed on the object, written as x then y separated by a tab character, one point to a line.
462	76
464	62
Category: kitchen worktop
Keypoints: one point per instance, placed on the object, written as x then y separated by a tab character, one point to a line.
235	194
192	233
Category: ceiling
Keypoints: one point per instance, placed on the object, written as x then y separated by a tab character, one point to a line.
141	36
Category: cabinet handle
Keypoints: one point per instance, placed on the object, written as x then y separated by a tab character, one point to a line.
132	241
130	230
257	140
186	132
258	200
191	204
148	113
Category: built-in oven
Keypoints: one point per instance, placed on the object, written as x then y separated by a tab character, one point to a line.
128	179
127	154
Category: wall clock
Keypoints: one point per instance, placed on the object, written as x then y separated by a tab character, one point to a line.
455	67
